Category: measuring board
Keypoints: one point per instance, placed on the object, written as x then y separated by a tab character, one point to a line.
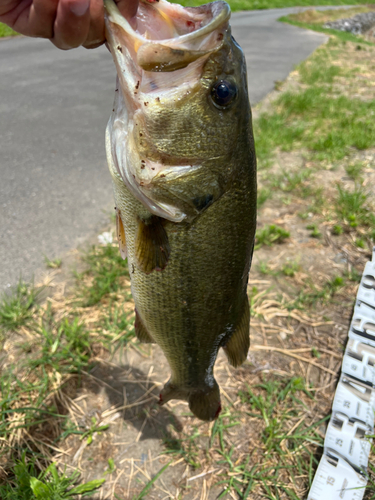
341	473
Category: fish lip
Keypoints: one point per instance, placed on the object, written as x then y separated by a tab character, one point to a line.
220	15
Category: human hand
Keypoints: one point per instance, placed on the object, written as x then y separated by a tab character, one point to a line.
67	23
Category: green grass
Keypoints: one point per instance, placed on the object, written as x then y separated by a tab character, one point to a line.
329	126
264	194
17	309
272	4
266	406
315	233
269	235
64	347
353	210
290	268
106	267
53	263
6	31
344	36
27	483
311	294
54	351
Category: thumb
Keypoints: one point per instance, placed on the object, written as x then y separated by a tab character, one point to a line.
128	8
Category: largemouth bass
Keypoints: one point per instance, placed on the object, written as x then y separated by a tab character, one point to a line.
181	154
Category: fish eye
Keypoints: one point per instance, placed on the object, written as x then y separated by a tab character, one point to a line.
223	93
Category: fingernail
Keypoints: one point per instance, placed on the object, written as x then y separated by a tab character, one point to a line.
79	7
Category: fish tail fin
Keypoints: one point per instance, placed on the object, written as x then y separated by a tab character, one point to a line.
205	403
238	345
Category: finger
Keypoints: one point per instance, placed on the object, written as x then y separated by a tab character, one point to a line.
42	18
96	36
128	8
71	24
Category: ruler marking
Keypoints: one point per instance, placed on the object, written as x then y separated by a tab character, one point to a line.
347	445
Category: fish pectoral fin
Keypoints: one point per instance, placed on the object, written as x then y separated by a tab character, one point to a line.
205	403
152	248
120	232
141	331
238	345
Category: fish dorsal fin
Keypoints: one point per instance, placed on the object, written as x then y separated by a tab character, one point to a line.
152	248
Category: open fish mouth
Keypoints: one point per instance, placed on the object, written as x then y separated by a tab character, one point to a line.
165	36
159	57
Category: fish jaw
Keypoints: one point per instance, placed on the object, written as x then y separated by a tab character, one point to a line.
153	65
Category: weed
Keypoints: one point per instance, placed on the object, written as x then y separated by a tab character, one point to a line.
106	267
185	446
25	483
52	263
263	195
351	208
290	268
315	233
269	235
94	428
18	309
360	243
117	327
290	181
148	486
354	170
312	294
264	268
66	348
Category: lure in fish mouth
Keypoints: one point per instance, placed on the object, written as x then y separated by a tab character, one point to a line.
181	154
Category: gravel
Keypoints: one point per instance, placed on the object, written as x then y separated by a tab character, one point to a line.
356	25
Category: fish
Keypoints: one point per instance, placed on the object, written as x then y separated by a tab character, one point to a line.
181	154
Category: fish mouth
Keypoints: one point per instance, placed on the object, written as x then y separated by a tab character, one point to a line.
164	37
159	56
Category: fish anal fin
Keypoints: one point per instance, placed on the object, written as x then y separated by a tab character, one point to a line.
152	248
171	391
205	403
238	345
120	232
141	331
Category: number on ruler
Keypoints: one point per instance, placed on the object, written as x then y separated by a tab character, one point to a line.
330	480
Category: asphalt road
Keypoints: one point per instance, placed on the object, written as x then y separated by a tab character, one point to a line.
55	189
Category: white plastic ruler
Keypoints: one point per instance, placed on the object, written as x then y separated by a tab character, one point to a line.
341	473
